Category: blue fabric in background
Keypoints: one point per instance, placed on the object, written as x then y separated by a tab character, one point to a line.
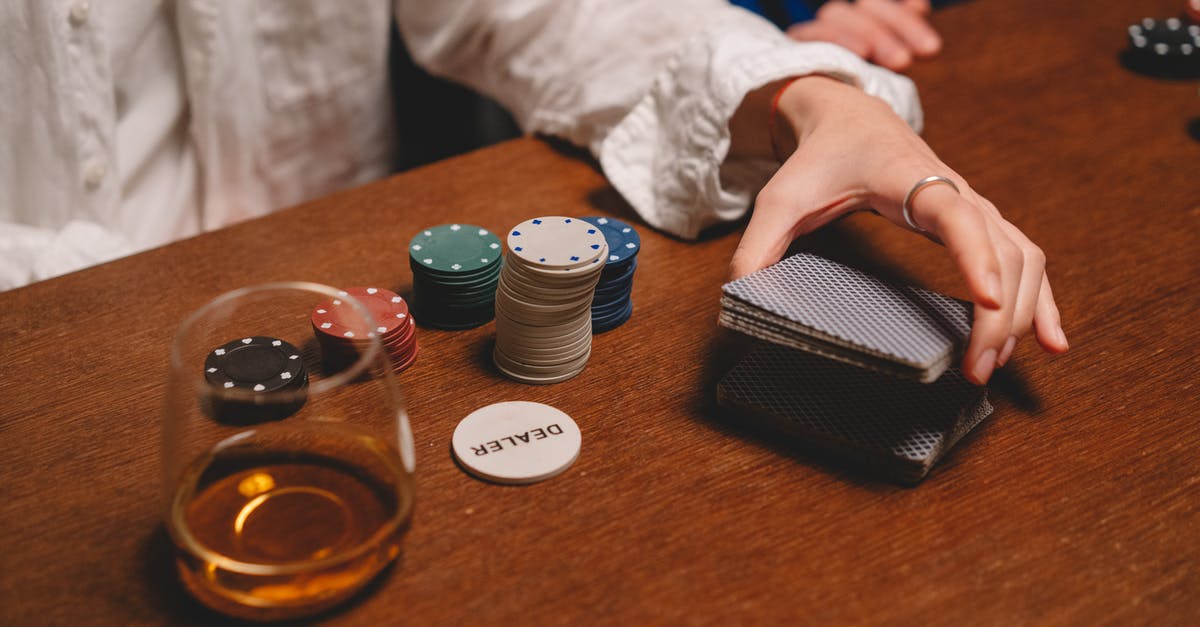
784	13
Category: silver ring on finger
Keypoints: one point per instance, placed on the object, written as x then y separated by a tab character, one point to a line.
906	208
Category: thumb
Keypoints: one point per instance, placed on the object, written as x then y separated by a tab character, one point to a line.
794	202
767	237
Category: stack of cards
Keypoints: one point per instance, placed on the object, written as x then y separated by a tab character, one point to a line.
890	403
896	427
821	306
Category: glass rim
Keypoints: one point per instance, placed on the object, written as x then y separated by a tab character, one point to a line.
373	350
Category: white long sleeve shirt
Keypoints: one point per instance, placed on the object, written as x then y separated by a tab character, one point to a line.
129	124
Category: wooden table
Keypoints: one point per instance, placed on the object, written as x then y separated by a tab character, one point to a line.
1077	502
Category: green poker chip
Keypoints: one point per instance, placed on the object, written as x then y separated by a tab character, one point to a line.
455	249
456	268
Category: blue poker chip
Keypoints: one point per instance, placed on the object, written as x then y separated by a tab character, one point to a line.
607	292
602	309
611	311
611	322
612	303
618	271
623	241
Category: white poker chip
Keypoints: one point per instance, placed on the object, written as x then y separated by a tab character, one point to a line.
543	303
516	442
558	243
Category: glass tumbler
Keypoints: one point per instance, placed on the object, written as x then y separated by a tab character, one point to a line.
287	465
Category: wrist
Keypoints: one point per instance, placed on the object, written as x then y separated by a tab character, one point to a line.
800	106
773	119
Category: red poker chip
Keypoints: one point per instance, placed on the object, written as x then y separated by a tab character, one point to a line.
408	330
397	338
1192	7
337	319
343	337
401	366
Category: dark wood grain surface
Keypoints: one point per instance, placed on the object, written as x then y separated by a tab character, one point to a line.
1078	502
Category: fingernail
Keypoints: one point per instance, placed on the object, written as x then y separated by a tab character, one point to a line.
1006	352
984	366
1062	338
993	288
929	45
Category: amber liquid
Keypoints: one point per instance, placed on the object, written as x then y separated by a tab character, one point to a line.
289	520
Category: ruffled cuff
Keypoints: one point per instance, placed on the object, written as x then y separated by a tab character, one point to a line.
668	156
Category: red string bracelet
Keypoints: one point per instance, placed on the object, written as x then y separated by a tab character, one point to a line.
772	119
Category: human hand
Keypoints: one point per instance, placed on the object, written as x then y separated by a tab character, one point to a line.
849	151
886	32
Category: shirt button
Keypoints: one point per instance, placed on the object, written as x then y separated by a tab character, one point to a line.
79	12
94	172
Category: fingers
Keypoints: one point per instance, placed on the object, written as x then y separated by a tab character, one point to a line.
1035	306
1023	298
1033	273
963	229
1004	271
988	261
887	32
992	331
824	30
906	24
885	48
1047	322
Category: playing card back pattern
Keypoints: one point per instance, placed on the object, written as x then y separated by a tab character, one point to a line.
897	427
850	316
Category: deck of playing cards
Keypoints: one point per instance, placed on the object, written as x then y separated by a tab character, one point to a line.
891	403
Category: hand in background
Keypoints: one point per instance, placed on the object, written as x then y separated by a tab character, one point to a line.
885	32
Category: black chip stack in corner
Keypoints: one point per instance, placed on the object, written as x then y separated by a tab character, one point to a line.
612	304
455	271
1167	48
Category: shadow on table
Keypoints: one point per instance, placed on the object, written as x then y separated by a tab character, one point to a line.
483	357
727	349
608	200
1179	70
171	600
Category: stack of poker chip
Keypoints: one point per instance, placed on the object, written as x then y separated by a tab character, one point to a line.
544	299
344	335
455	270
260	365
612	304
1167	48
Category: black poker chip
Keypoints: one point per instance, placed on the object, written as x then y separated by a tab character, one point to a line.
260	365
1168	48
